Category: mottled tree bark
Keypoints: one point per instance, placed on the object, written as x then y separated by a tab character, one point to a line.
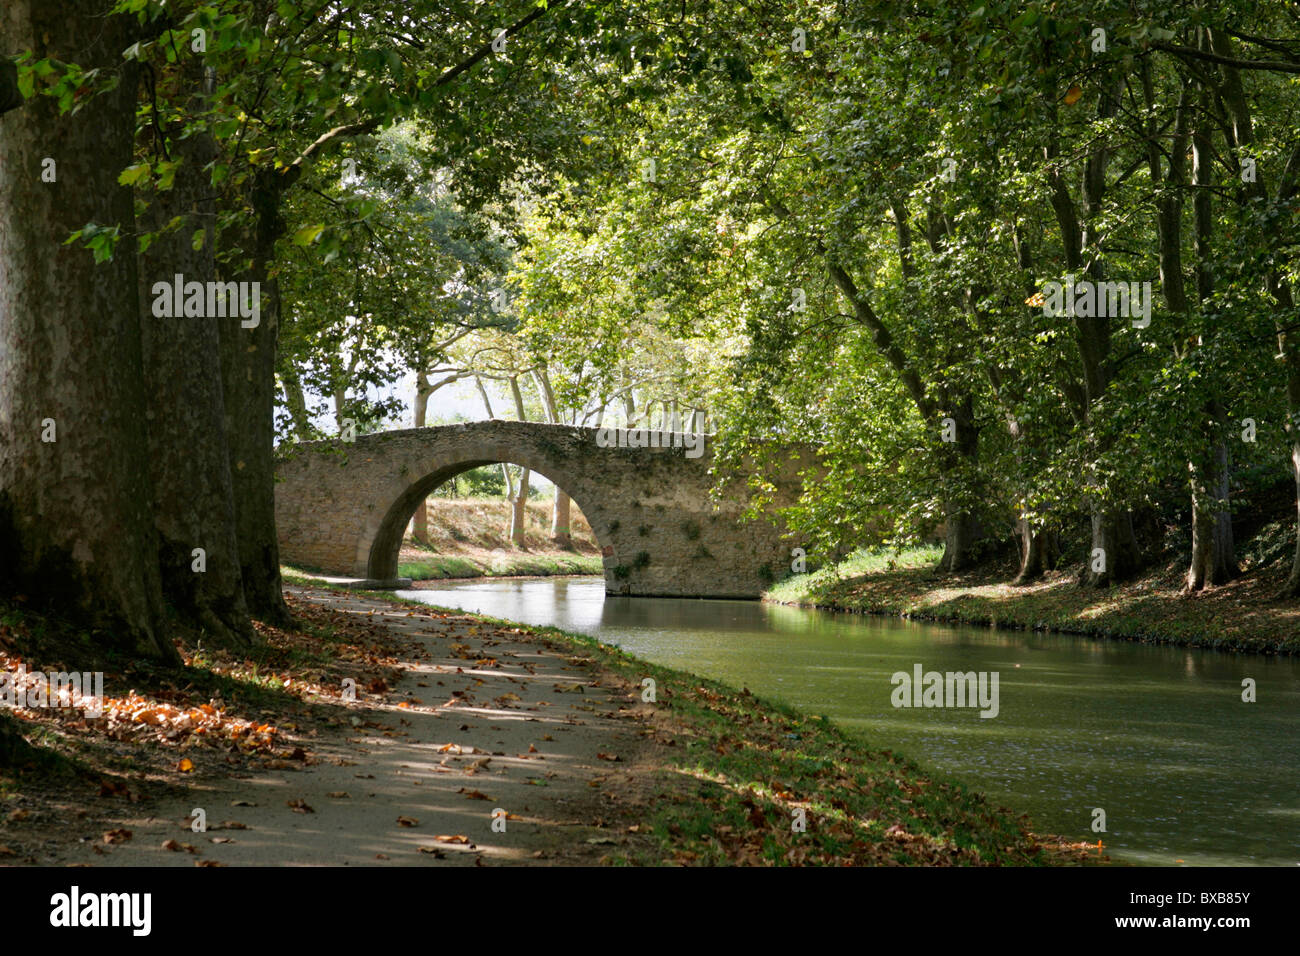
561	511
1112	524
1232	94
1214	559
519	512
519	504
1213	555
248	382
76	532
423	390
295	401
1039	550
1112	535
194	505
959	459
561	533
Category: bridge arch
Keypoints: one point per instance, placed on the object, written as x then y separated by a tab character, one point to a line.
343	507
388	534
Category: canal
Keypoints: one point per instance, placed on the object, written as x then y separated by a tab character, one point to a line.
1157	737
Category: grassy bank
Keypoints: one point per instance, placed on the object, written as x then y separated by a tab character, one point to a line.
498	565
1241	616
469	538
730	773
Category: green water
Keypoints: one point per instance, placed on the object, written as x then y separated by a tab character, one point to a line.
1157	737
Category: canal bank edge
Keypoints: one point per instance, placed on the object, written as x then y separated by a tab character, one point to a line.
1241	616
735	779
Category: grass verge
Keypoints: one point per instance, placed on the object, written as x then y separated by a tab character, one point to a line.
1239	616
437	567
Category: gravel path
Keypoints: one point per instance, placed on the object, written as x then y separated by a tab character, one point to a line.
484	720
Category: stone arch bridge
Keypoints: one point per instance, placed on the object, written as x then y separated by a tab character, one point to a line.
343	507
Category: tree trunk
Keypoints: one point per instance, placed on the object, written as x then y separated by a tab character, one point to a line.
560	530
1039	550
194	504
1234	99
1112	524
1225	547
1292	587
1214	559
1119	558
295	401
560	533
248	379
340	400
422	392
519	509
961	533
76	533
519	512
958	463
1203	520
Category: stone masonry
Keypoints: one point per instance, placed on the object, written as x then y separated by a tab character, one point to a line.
343	507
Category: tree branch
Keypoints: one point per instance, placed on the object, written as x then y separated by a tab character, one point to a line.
486	48
1276	66
294	169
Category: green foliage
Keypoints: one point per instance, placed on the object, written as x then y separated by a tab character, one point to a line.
841	248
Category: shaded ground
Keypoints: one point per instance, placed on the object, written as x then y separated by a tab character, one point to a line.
410	774
1241	615
469	538
422	565
456	717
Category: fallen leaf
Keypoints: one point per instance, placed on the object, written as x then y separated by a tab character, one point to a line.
407	822
118	836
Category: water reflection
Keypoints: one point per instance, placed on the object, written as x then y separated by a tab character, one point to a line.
1157	736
